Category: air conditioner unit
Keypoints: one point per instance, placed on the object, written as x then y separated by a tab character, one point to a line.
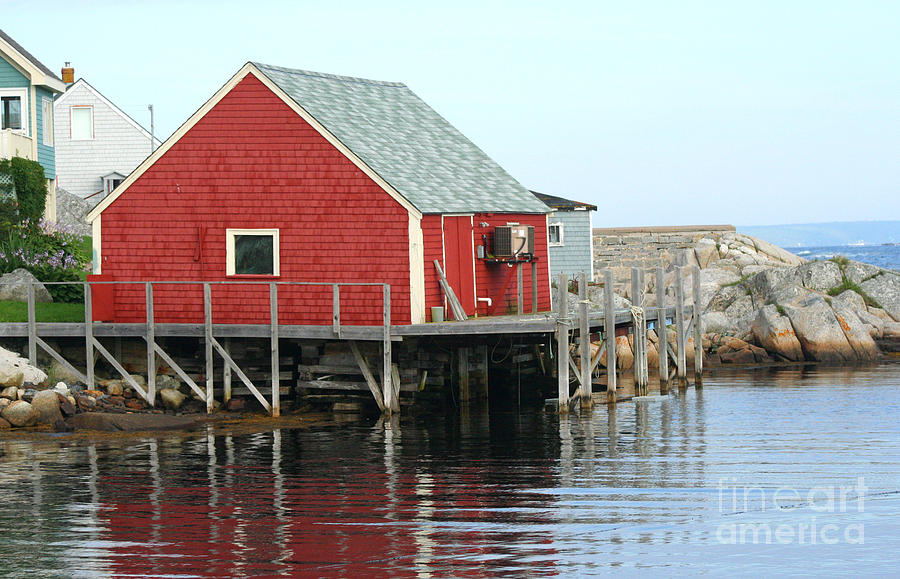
513	240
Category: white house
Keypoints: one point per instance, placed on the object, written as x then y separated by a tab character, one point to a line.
97	144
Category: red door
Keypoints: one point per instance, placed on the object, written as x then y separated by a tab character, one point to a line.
459	260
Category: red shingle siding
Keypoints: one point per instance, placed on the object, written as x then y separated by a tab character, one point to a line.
251	162
433	242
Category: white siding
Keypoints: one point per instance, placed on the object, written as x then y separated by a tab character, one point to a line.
118	145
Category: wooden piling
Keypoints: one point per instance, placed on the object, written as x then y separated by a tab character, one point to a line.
698	328
391	404
88	336
562	341
32	327
207	332
639	333
680	338
151	346
584	340
226	373
609	330
661	334
534	287
273	339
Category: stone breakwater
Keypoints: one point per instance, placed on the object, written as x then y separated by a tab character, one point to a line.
763	304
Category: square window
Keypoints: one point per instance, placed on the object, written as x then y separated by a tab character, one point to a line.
252	252
82	123
555	234
11	113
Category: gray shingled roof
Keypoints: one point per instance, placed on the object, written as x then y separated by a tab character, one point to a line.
37	63
407	143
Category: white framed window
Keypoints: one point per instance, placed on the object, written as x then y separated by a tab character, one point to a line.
81	119
14	109
47	122
252	252
555	234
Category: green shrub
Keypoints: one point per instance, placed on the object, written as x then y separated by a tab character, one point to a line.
30	186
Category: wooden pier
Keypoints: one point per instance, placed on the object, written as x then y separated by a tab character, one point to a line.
565	335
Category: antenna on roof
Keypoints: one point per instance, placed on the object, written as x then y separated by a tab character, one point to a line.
152	139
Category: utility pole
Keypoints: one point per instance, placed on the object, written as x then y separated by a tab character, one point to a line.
152	138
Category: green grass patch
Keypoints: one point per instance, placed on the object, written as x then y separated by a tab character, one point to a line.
54	312
738	282
850	285
841	260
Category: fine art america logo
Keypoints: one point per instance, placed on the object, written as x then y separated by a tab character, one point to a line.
815	514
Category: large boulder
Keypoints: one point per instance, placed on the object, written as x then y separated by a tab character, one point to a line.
774	332
817	329
14	287
46	403
855	331
11	364
885	289
857	272
131	422
70	212
706	252
20	414
171	398
820	276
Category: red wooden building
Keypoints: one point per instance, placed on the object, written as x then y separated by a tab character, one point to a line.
289	175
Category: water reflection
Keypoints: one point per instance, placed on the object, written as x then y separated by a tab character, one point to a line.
628	486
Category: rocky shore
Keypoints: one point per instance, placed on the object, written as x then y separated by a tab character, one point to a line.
763	304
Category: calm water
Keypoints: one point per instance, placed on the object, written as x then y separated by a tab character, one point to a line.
887	256
657	488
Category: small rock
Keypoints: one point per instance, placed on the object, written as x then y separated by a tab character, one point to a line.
4	424
164	381
10	393
114	388
135	404
28	395
4	402
85	402
66	404
20	414
11	376
171	398
93	393
61	388
235	405
46	403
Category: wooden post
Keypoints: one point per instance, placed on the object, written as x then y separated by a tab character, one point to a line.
609	329
390	403
639	333
207	316
276	361
698	328
562	341
151	346
88	335
336	309
534	288
520	291
32	327
680	339
462	374
662	336
584	342
226	373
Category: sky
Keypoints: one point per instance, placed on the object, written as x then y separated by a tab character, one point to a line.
661	113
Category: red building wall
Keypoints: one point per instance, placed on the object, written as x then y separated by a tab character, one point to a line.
496	281
252	162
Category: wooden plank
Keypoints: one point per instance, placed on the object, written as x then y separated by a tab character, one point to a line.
240	374
32	327
350	385
88	336
662	341
56	356
336	309
151	339
455	306
609	334
680	338
534	287
273	322
391	403
584	341
115	364
562	342
181	373
208	335
698	329
370	381
520	291
575	370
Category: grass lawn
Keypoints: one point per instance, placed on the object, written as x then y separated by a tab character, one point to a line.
86	249
18	312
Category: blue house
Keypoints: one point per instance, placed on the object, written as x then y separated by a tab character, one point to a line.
569	236
27	90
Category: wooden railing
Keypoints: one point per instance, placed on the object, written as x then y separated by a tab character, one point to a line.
15	144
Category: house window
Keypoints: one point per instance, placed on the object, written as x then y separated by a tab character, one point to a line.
47	122
555	234
252	252
12	113
112	183
82	123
